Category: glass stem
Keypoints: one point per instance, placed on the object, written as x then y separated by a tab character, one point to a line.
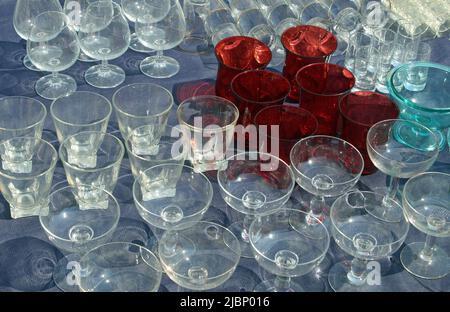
317	205
282	283
248	219
159	54
104	64
394	184
427	251
357	274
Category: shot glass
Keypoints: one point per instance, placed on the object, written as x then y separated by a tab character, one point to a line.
208	123
143	104
416	77
409	35
27	191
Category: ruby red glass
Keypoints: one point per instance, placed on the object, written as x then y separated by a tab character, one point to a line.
256	89
305	45
236	55
294	124
321	86
358	112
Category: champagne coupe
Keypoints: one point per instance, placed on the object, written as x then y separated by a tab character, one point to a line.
359	230
284	247
23	20
160	34
53	46
426	199
254	184
106	43
77	224
400	149
201	256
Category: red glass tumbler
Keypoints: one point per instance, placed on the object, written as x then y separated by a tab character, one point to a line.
358	112
321	86
235	55
305	45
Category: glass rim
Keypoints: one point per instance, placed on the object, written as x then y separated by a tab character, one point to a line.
129	86
119	159
58	119
51	165
40	121
51	13
328	137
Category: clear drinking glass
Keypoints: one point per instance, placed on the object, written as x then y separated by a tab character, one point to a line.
312	13
26	171
120	267
196	39
408	33
387	40
220	23
208	123
254	184
284	247
143	104
201	256
107	43
425	204
345	14
76	225
374	15
161	34
416	77
23	20
279	14
78	112
92	159
171	196
53	46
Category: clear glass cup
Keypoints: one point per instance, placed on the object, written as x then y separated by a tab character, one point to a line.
220	23
387	40
161	34
312	12
143	104
171	196
202	256
120	267
325	166
284	247
254	184
408	33
345	14
208	123
107	43
78	112
279	14
400	149
26	171
416	77
196	39
360	231
53	46
374	15
77	226
25	12
92	159
425	204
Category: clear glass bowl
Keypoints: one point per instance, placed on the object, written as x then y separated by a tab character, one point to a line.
202	256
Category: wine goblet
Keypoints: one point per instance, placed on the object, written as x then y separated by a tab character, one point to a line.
400	149
53	46
25	12
325	167
359	230
172	195
105	44
120	267
254	184
284	247
160	34
77	225
201	256
426	199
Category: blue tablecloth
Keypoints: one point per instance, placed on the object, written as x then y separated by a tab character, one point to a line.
27	257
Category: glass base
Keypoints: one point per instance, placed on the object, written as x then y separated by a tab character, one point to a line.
84	58
27	63
208	166
270	286
54	86
65	273
237	229
105	76
194	45
160	67
17	213
434	267
137	46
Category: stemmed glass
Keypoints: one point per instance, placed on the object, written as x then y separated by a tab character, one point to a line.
160	34
325	167
400	149
286	248
426	199
120	267
105	43
24	14
255	184
53	46
359	229
201	256
77	224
